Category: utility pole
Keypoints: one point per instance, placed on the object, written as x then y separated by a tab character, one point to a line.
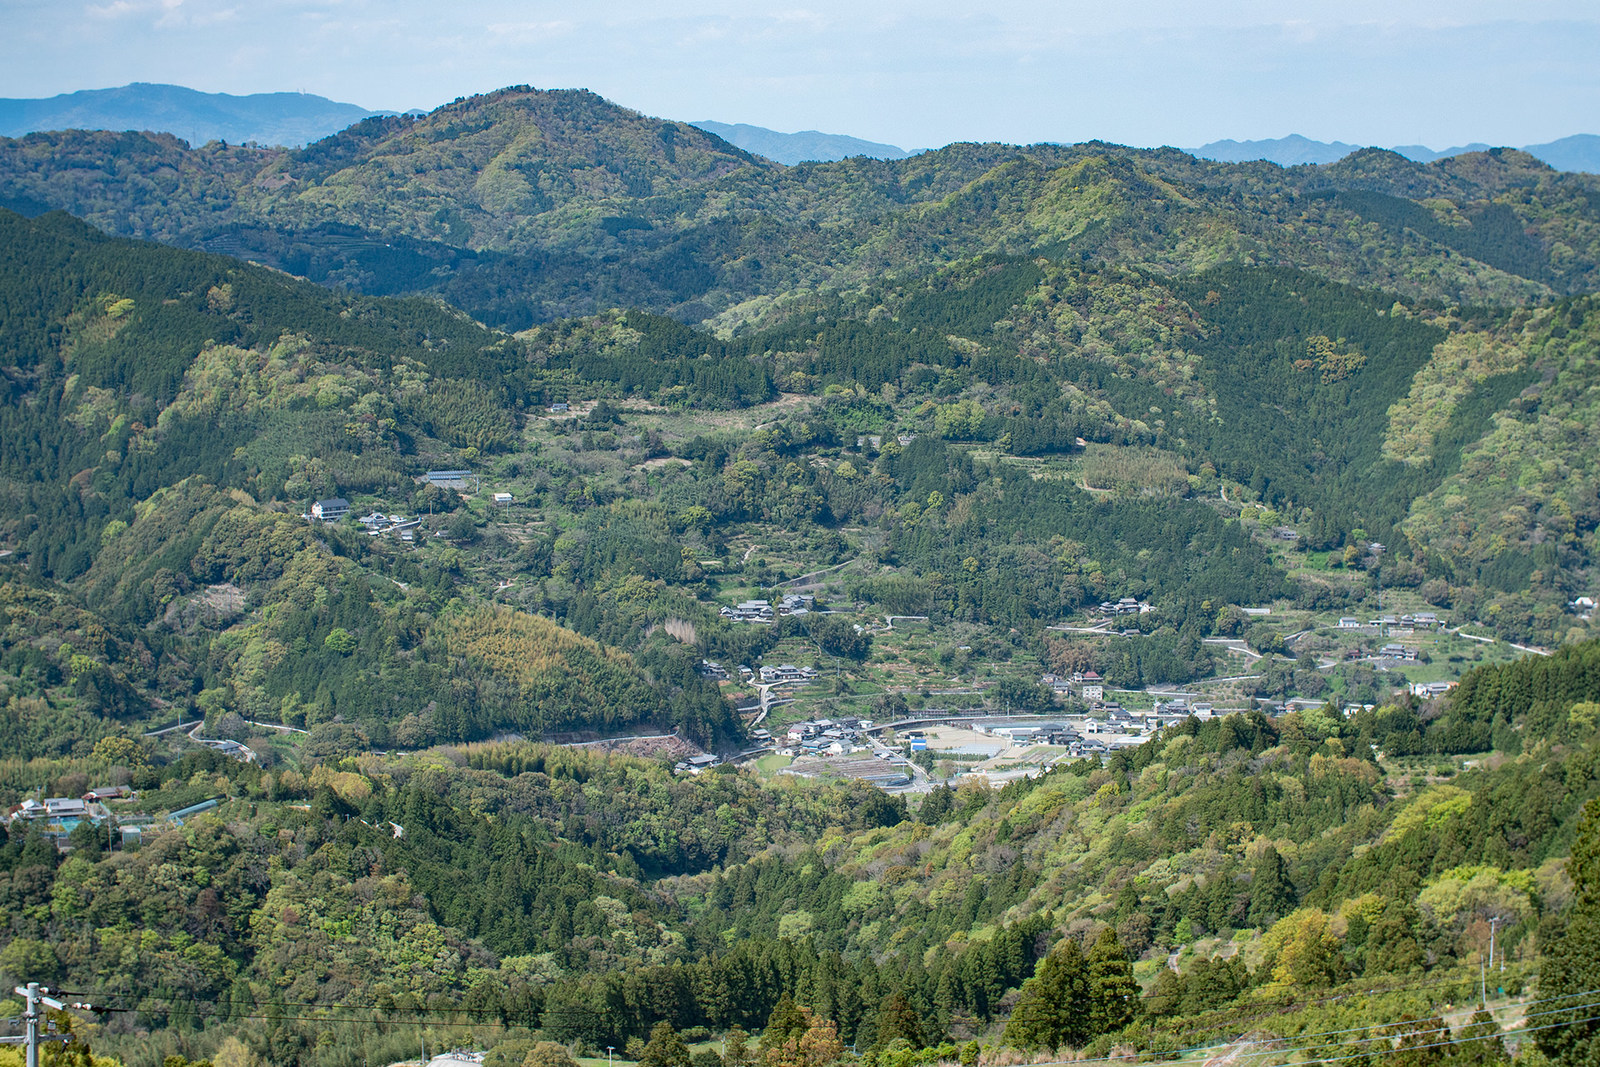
34	994
1493	923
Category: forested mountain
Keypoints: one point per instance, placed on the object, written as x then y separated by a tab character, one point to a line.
396	600
524	205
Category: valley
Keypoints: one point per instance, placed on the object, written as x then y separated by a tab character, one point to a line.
434	591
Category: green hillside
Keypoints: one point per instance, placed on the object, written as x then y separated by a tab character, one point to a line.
168	416
1270	497
1305	892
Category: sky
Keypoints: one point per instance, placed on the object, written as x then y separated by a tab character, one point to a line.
914	74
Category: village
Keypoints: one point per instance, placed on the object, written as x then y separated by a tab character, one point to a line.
929	705
947	728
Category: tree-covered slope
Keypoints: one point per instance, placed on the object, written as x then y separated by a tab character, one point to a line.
167	417
1521	509
1232	878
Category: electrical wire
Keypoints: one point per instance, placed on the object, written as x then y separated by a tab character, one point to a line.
379	1016
1443	1028
1229	1015
1360	1055
586	1011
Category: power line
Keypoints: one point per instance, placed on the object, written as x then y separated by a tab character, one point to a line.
373	1014
172	1004
1311	1049
1355	1056
1442	1028
1231	1016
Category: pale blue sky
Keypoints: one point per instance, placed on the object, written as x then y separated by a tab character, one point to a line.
921	74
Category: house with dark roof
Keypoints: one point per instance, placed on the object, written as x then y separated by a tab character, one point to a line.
332	509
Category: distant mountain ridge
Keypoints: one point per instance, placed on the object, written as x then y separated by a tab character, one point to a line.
1580	152
293	120
287	119
807	146
525	206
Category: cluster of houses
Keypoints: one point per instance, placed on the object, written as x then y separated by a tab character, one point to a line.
335	508
786	674
780	674
1108	725
874	441
748	611
825	737
1087	685
378	524
1126	606
796	604
1422	620
1088	738
60	814
761	611
56	817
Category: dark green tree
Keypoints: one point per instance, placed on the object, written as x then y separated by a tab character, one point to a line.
1478	1044
1272	895
786	1021
665	1048
736	1048
898	1019
1113	992
1572	954
837	636
1054	1009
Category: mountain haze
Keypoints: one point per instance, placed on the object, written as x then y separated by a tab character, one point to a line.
1580	152
1291	151
290	119
805	146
